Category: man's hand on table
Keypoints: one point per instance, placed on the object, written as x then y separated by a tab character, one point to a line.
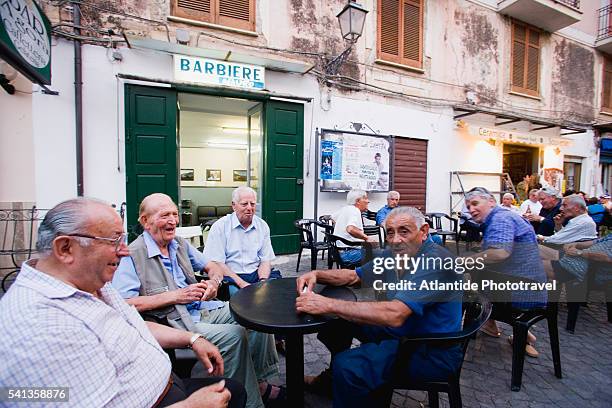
211	289
307	280
188	294
209	356
313	303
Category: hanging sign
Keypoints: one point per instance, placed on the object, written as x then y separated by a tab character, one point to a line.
216	72
514	137
25	39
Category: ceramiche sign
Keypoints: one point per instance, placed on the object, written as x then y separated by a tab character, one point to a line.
25	39
514	137
216	72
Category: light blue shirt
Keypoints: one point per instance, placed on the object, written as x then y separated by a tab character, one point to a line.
54	334
127	283
241	249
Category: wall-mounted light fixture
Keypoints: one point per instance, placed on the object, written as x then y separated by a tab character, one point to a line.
234	131
351	20
492	141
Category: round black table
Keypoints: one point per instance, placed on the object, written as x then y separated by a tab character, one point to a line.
269	307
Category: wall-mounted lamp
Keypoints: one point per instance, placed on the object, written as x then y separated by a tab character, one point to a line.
492	141
182	36
351	20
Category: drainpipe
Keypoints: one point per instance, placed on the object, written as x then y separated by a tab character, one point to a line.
78	98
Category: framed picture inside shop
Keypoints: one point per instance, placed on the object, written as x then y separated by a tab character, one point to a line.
213	175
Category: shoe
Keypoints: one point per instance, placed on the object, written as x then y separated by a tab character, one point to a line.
278	402
490	332
530	350
320	384
280	346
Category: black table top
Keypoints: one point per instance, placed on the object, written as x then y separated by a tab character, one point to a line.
269	307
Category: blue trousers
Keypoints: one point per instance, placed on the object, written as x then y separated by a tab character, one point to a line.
250	278
352	256
358	372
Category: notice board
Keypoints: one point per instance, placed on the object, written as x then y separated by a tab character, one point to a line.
354	161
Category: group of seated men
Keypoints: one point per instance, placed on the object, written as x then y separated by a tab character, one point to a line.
75	298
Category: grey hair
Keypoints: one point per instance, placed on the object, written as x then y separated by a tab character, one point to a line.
533	191
242	190
508	195
68	217
479	192
419	218
393	194
354	195
550	191
576	199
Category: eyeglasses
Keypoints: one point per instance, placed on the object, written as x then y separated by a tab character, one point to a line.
111	241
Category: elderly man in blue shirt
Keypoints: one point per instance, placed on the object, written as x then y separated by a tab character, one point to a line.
158	279
240	243
393	198
357	372
510	246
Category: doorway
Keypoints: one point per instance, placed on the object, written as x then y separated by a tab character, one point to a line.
519	161
220	145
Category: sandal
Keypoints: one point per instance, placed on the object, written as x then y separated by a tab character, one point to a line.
530	350
278	402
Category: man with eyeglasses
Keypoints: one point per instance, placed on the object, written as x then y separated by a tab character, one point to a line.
158	279
64	325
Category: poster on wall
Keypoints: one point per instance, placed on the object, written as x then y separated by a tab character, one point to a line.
354	161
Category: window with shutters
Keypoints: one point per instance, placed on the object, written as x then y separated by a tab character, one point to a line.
231	13
525	76
606	92
400	32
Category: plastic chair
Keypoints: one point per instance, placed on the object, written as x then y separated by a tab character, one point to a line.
307	241
476	311
206	213
578	292
334	251
436	224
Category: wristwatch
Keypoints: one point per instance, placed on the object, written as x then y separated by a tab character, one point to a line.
579	252
194	338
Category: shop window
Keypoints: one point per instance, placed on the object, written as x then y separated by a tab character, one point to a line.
231	13
525	59
606	98
400	32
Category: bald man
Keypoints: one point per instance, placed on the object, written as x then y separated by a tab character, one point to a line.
158	279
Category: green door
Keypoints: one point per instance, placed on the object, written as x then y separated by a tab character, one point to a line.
150	147
283	173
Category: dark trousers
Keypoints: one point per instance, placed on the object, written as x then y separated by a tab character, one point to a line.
183	388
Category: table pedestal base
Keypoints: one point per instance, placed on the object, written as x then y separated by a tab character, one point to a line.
294	356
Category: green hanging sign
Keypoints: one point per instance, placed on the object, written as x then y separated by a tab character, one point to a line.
25	39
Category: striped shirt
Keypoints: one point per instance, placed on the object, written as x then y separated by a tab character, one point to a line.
100	348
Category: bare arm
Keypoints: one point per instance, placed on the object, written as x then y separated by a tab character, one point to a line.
393	313
229	273
188	294
333	277
356	232
491	255
264	269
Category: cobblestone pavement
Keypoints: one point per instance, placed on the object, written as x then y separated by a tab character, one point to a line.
586	361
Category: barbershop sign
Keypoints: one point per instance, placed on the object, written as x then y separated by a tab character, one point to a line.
215	72
25	39
513	137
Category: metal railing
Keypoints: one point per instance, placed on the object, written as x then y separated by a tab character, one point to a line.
605	23
570	3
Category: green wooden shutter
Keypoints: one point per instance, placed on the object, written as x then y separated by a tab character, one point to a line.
283	173
151	148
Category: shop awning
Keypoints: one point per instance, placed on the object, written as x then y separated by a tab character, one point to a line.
274	64
502	118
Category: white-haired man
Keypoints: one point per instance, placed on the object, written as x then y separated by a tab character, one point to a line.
349	225
240	243
64	325
393	198
579	226
158	279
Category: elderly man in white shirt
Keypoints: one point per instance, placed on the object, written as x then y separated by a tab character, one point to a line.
349	225
531	205
240	243
580	226
93	343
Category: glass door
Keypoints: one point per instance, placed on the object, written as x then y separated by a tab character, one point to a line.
255	153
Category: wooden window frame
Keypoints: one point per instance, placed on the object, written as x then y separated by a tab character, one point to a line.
214	17
399	59
606	67
515	88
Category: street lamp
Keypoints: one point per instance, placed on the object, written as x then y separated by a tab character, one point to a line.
351	19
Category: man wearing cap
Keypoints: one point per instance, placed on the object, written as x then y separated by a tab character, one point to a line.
544	223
